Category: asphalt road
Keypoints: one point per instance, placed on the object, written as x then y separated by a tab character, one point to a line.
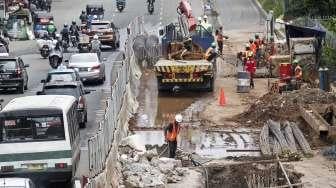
64	11
239	15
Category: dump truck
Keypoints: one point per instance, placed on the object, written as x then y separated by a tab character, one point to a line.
183	65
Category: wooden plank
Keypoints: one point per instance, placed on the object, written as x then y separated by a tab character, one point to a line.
323	123
284	172
309	116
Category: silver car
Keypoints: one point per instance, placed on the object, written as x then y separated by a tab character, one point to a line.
88	66
16	182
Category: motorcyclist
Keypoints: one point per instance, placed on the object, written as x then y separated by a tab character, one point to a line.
45	36
95	45
51	29
83	17
58	45
74	30
150	1
65	33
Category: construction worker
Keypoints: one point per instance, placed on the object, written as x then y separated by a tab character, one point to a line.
253	46
251	66
297	70
211	55
206	24
220	39
170	133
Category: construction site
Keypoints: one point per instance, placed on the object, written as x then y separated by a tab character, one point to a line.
279	132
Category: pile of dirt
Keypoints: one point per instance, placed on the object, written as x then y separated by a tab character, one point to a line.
282	107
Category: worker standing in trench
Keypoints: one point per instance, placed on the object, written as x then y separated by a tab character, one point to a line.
171	132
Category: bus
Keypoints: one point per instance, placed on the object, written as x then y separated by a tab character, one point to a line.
39	138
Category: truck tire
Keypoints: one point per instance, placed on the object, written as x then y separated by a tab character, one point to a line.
211	84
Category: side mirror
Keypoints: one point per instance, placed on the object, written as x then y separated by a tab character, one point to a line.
39	93
26	65
87	91
161	32
43	81
67	60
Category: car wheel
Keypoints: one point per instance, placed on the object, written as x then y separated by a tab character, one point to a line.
20	89
82	125
26	86
85	117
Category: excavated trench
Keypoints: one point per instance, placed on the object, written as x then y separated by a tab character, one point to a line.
250	175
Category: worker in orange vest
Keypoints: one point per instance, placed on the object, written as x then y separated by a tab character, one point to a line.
170	133
297	70
251	66
253	46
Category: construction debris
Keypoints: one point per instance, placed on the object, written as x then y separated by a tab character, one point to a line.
145	168
277	139
283	107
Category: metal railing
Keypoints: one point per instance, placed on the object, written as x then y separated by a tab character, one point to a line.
99	145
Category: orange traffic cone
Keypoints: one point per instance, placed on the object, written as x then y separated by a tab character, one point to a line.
222	100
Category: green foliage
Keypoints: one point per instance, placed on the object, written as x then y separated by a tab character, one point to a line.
312	8
330	25
329	56
275	5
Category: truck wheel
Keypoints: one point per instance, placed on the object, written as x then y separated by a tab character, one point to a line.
211	84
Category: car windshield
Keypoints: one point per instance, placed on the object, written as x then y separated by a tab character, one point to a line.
28	129
62	90
95	10
97	26
7	65
61	77
84	58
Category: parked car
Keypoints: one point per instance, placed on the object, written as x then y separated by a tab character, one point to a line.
13	74
73	88
3	51
88	66
107	33
62	74
16	183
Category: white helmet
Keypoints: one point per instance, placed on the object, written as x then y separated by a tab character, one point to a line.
205	17
178	118
199	19
95	17
95	37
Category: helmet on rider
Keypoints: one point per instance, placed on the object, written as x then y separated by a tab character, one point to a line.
256	36
95	17
95	37
83	11
213	45
58	36
73	22
65	25
251	40
51	22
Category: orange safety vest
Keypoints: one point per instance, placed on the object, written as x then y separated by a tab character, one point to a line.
253	47
171	136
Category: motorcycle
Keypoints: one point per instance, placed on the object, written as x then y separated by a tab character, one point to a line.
65	44
55	58
45	51
73	39
45	47
121	5
150	8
